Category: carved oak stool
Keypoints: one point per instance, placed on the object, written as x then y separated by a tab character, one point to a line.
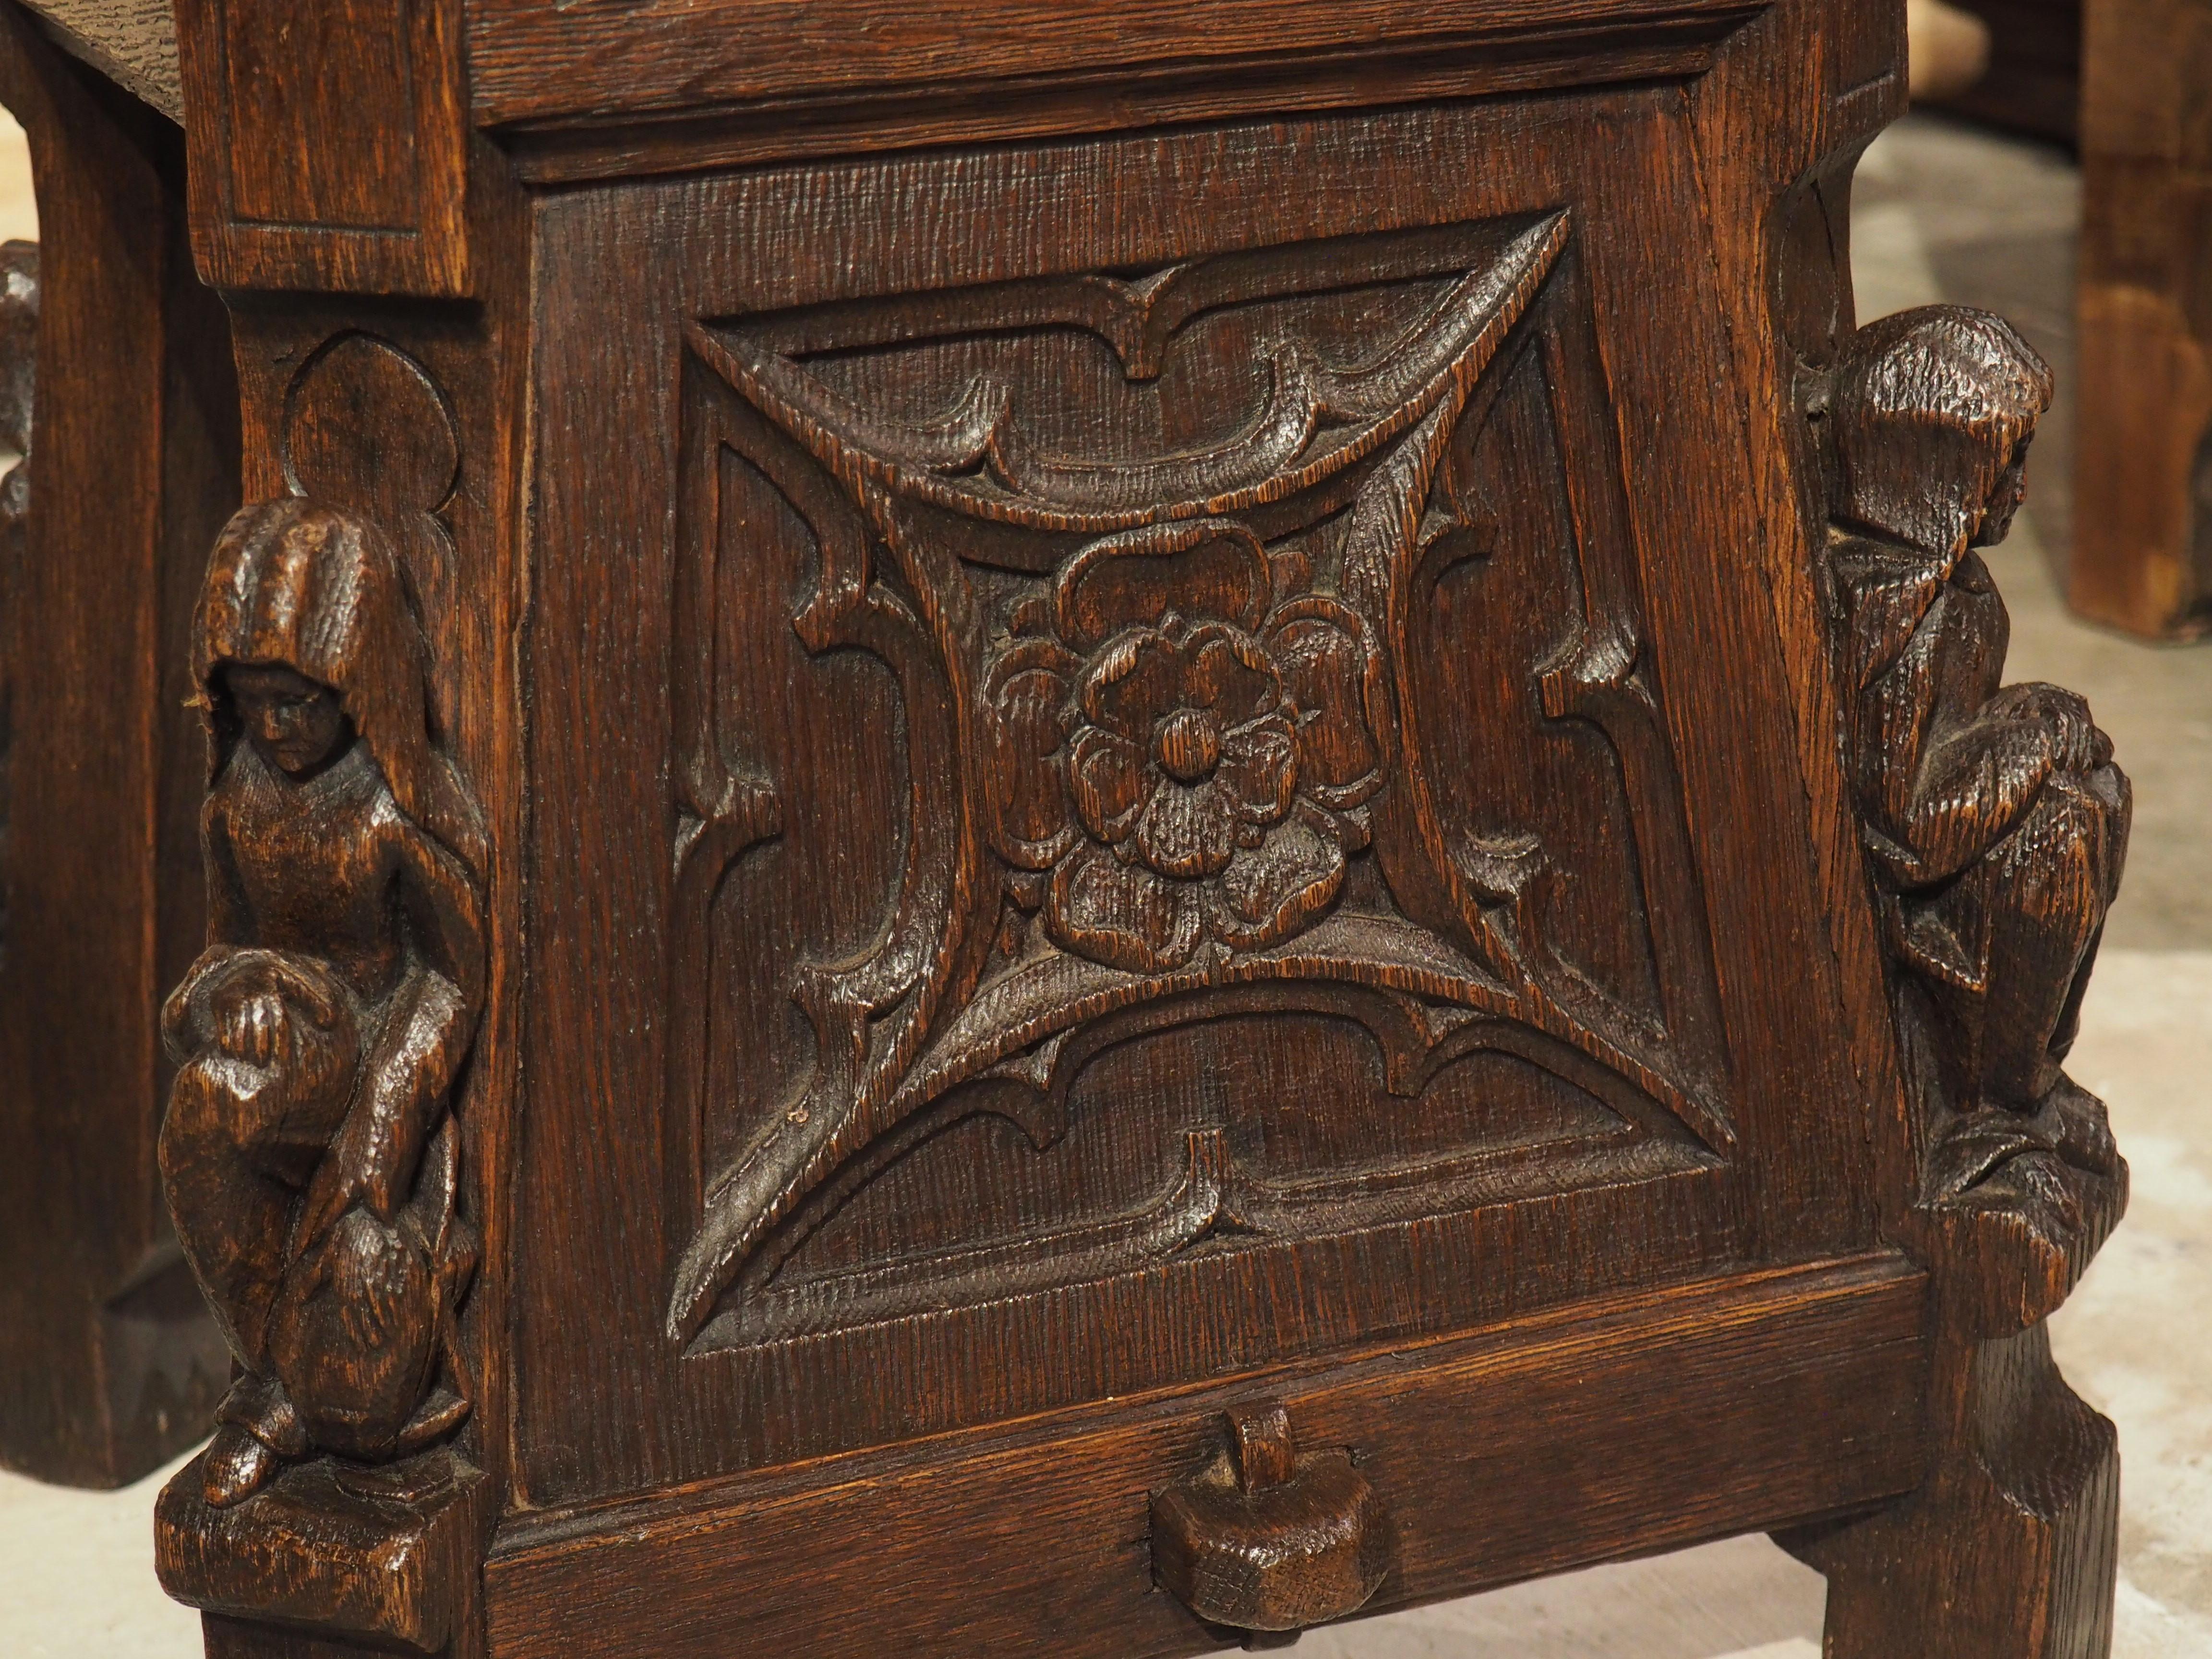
1113	827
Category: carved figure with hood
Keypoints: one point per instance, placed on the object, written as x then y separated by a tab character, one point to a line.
309	1149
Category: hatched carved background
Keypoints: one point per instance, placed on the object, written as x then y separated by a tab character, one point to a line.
1255	650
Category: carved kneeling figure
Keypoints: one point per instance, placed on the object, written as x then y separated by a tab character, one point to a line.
309	1153
1996	821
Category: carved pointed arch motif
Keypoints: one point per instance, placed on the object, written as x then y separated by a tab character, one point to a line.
1176	740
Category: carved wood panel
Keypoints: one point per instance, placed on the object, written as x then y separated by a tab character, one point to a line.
1259	641
925	1081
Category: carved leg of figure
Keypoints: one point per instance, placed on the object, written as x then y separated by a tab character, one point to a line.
2009	1551
2051	880
228	1207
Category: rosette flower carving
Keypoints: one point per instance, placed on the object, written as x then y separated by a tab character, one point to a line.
1185	756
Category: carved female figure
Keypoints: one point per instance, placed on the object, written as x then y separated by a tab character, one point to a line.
308	1149
1996	821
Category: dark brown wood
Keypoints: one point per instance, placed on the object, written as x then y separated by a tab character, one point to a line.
384	1555
1996	821
1175	707
327	150
310	1157
1815	1371
1267	1540
605	61
111	1363
133	42
1996	826
2142	533
2011	1545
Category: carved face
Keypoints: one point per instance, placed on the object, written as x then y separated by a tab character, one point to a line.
2005	497
299	725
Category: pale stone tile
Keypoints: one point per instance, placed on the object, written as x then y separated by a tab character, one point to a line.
76	1575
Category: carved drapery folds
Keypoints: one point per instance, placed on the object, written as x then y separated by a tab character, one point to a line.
1171	717
309	1152
1995	821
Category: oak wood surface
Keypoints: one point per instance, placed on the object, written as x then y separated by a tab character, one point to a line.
328	144
1175	710
2142	537
133	42
1671	1418
111	1361
610	57
605	939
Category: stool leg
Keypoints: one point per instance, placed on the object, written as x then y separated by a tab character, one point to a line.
2010	1550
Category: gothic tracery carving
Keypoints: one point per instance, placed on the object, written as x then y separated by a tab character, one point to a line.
1156	708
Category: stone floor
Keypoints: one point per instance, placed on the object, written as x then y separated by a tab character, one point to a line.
1946	213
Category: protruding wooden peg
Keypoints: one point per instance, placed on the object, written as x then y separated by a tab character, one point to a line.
1268	1542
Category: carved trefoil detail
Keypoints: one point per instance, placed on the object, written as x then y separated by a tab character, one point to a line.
1170	714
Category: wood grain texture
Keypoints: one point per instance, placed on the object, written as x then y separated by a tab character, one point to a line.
617	748
382	1556
1814	1373
407	416
329	146
1267	1540
2142	539
611	59
1996	826
2010	1549
1165	721
112	1363
309	1154
133	42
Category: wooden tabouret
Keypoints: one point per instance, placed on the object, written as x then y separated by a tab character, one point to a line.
1105	828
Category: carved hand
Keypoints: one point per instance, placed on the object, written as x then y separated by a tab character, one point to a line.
177	1010
2078	745
256	1028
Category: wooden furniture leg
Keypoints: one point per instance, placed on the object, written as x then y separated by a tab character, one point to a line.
2142	514
112	1362
1095	826
2009	1551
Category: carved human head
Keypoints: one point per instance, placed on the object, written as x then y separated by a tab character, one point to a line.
305	634
300	726
1930	420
